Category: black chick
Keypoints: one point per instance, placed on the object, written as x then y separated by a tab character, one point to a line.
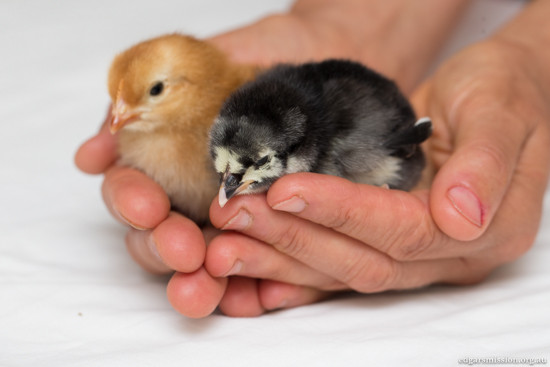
335	117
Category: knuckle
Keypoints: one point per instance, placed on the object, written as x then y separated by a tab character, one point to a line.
349	216
367	277
412	242
465	271
343	220
493	159
474	271
291	241
473	277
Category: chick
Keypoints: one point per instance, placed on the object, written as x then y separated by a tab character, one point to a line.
165	95
335	117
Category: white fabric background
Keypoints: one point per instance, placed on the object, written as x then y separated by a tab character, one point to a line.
71	296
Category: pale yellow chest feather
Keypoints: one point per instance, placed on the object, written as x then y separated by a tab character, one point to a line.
179	162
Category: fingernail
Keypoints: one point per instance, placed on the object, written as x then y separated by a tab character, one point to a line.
295	204
127	221
143	245
283	304
236	269
151	244
241	221
467	204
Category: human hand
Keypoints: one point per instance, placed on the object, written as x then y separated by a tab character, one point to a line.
491	154
159	240
162	241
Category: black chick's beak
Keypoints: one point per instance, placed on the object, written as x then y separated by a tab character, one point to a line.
231	185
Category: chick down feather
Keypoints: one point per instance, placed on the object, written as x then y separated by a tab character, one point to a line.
335	117
165	95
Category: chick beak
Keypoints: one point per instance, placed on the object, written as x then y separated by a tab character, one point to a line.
121	115
230	187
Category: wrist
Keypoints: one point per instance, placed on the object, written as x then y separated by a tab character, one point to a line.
527	36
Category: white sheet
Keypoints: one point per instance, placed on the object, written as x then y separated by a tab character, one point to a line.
71	296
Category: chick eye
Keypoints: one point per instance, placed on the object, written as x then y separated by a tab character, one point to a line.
262	161
156	89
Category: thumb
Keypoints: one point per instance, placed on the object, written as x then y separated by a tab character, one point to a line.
469	187
97	153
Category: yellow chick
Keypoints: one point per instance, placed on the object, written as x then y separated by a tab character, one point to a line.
166	93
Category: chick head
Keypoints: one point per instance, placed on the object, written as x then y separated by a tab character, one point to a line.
168	80
251	151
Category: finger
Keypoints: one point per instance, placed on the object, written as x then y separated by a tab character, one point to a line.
516	224
274	295
393	222
355	264
322	249
241	298
469	187
179	243
99	152
143	250
195	294
248	297
334	254
232	253
134	198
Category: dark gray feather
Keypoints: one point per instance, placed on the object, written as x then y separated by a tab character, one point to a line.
337	117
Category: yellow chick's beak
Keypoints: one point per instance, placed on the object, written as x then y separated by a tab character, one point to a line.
121	115
230	187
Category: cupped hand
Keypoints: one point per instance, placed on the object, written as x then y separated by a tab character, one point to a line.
490	153
162	241
159	240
